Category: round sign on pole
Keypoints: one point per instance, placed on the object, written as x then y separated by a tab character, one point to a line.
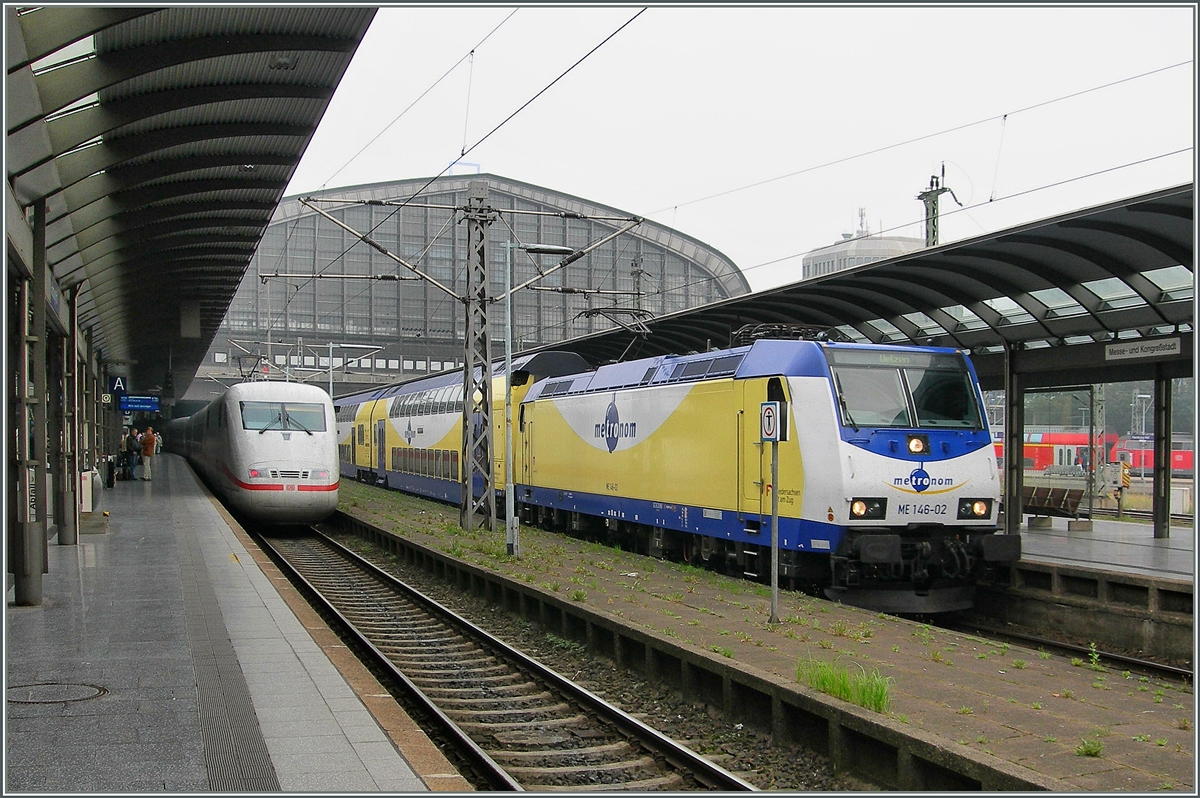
769	421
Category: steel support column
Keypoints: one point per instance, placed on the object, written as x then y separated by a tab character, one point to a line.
87	400
28	553
477	369
1161	502
56	369
1014	443
70	536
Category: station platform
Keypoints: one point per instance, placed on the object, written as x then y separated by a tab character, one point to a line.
165	658
965	713
1121	546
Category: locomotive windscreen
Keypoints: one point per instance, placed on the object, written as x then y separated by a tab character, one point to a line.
301	416
904	389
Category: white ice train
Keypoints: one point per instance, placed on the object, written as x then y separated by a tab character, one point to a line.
268	448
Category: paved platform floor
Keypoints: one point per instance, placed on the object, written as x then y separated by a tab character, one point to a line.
1114	546
163	659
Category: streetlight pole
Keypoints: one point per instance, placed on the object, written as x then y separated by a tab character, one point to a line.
511	525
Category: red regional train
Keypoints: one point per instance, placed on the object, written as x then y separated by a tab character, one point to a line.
1045	449
1138	451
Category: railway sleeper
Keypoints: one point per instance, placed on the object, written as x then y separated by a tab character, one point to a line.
603	752
550	723
643	763
449	703
524	712
499	680
671	781
409	655
501	690
448	645
495	672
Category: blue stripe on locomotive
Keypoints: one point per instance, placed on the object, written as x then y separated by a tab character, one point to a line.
794	534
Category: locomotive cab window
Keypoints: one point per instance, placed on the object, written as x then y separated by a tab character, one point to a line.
903	389
299	416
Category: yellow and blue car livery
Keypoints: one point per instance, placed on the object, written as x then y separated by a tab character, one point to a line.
408	436
888	487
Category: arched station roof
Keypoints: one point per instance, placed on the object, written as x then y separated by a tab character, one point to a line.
1120	271
162	140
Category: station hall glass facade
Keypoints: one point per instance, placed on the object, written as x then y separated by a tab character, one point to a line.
311	305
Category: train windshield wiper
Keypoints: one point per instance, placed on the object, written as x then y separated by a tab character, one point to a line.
842	401
294	422
278	418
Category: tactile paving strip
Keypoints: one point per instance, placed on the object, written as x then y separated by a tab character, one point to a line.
235	753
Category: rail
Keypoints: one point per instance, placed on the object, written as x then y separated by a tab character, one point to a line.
492	695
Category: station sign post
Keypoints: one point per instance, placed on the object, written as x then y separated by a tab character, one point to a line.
773	428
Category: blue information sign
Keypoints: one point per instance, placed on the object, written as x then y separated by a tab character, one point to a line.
139	404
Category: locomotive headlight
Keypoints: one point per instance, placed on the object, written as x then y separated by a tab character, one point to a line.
868	508
974	508
918	444
320	473
255	473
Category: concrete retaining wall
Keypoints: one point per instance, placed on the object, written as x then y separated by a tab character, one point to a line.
1119	612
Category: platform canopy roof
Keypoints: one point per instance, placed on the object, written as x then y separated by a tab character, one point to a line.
1115	272
162	140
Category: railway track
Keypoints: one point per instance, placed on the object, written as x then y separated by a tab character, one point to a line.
1177	519
1087	653
519	725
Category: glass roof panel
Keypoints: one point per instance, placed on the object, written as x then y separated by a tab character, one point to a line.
884	326
926	325
1170	278
967	319
1114	292
84	48
853	334
1175	282
1058	302
1010	312
89	101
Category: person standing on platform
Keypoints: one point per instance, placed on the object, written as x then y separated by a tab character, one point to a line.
147	452
132	447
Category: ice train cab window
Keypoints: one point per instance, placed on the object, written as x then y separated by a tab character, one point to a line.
301	416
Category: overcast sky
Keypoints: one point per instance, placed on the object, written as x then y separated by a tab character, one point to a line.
763	131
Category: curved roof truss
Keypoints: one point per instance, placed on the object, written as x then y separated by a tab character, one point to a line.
161	140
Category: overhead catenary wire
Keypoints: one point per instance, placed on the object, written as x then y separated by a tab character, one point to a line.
464	152
924	137
999	150
470	55
1002	117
